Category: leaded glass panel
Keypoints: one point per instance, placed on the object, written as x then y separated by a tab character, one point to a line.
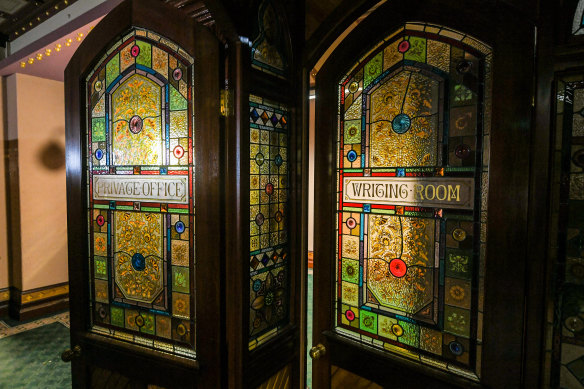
412	180
269	264
268	49
140	193
578	20
565	343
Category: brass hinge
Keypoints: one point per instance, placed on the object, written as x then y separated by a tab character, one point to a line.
226	102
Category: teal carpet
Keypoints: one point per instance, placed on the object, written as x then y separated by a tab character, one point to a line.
32	360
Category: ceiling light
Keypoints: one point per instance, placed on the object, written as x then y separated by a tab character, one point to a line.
22	64
31	61
39	56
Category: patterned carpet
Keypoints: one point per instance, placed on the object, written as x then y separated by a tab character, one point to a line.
30	353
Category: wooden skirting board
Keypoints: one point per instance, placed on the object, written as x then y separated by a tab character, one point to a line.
4	301
25	305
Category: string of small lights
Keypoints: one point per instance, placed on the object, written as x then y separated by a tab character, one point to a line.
33	22
58	47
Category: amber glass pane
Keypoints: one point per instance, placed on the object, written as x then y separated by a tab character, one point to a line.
412	188
268	219
140	183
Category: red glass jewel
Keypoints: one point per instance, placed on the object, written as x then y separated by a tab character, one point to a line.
269	189
403	46
398	267
350	315
135	50
178	152
100	220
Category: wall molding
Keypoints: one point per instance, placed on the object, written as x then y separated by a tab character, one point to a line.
4	301
25	305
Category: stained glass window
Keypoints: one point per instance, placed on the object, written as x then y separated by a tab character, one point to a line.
140	193
268	52
578	21
565	347
268	266
412	180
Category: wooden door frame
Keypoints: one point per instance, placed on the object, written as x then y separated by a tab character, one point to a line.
250	369
511	186
135	362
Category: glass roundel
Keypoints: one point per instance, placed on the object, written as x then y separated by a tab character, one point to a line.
140	162
412	179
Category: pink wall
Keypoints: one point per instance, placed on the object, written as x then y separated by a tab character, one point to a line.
311	117
36	119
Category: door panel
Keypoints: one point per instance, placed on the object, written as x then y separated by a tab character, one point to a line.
134	106
402	200
263	192
140	101
412	186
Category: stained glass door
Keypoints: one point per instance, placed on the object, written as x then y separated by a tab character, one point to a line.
134	130
402	206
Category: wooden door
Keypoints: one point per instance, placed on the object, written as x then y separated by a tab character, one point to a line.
263	158
142	106
423	116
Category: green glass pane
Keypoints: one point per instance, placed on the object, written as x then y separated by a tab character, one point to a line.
177	101
180	279
117	316
368	321
411	333
350	271
145	55
417	50
100	268
98	130
147	322
373	69
112	69
352	131
457	321
458	264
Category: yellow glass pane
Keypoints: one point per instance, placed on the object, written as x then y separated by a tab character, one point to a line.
137	130
417	146
138	255
410	240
